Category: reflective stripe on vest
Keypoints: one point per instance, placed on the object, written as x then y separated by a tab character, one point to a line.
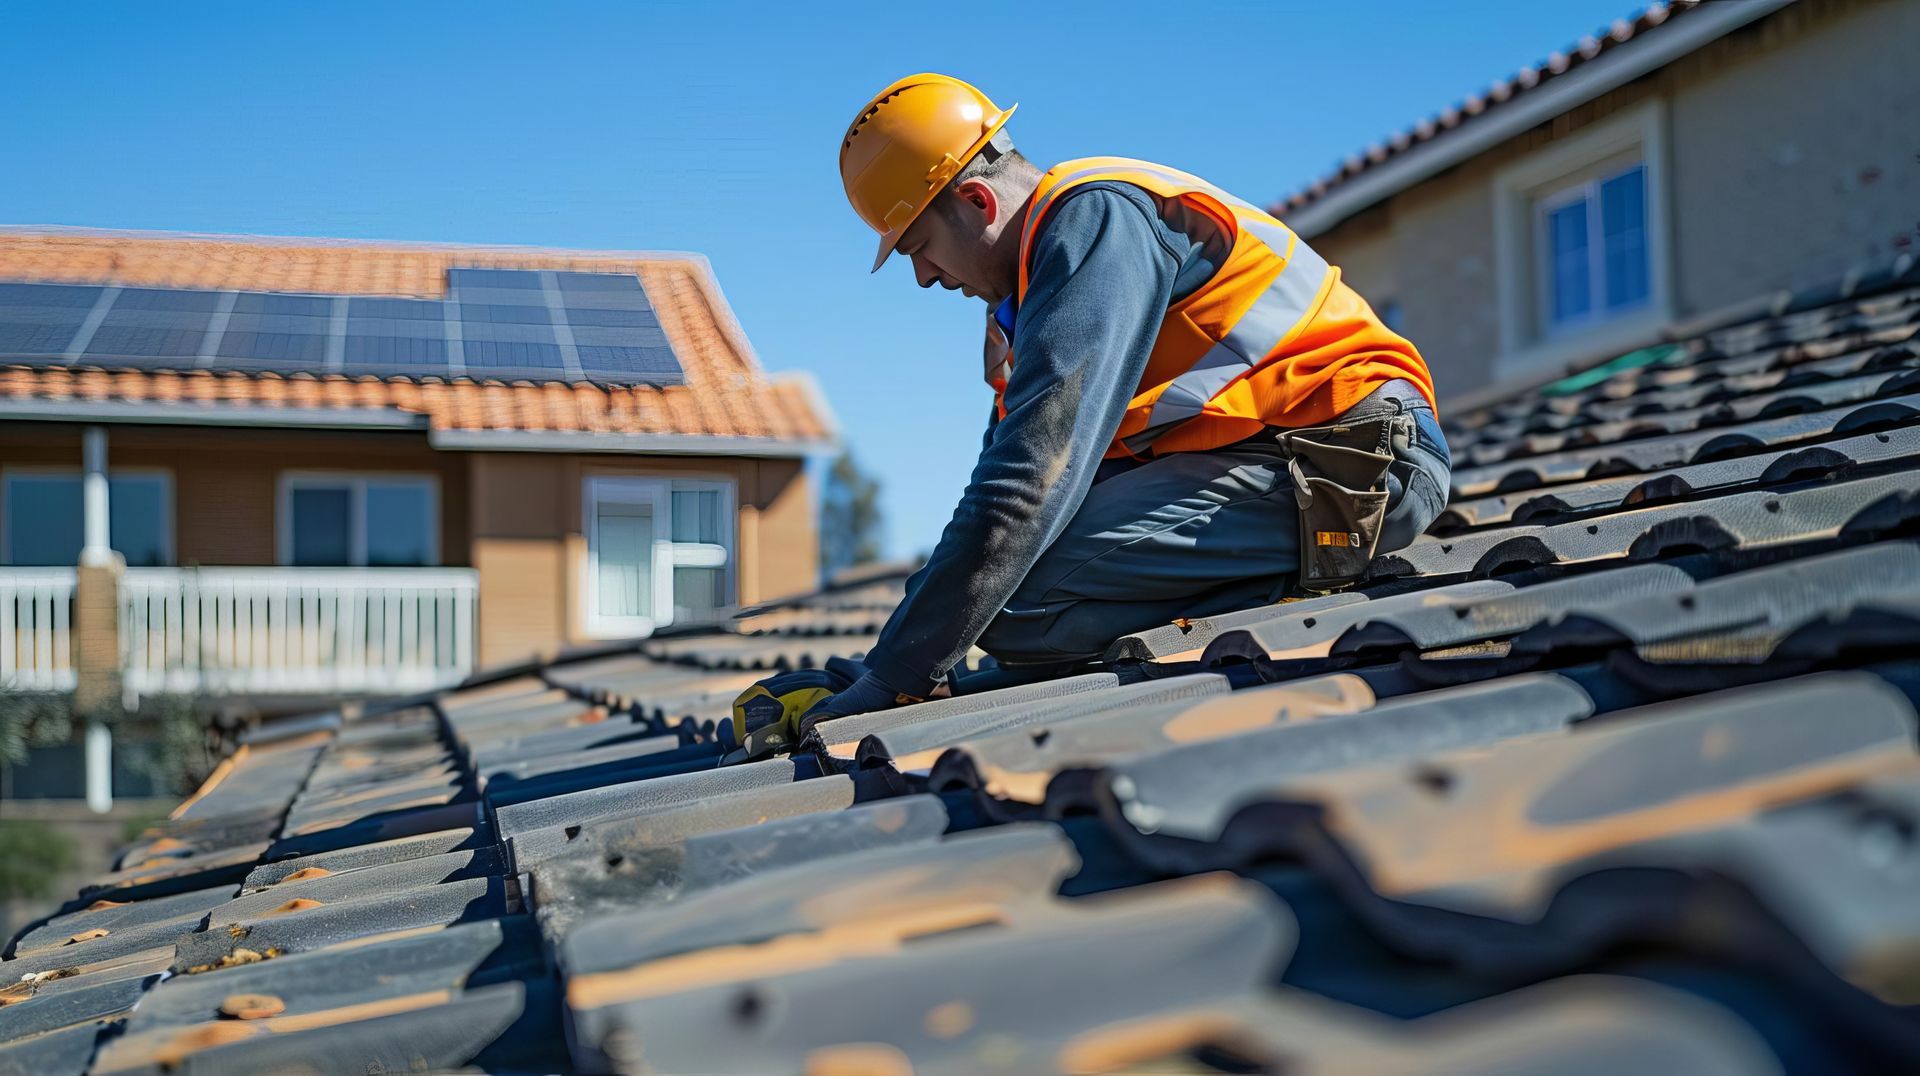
1281	309
1274	338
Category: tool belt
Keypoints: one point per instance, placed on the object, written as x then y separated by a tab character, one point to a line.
1340	484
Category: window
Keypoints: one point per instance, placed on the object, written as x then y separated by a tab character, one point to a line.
658	552
353	521
1391	315
1594	249
1581	245
44	523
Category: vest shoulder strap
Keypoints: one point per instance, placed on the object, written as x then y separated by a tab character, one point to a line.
1159	180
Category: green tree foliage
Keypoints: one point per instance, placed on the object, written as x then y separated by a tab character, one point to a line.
32	858
32	719
849	517
167	737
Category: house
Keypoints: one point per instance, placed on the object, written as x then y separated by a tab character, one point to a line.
1682	168
274	468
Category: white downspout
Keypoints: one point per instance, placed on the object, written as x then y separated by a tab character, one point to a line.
96	549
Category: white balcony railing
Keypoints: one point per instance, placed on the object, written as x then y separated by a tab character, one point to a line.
296	630
36	629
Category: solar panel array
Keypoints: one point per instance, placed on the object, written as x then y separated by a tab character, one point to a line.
505	324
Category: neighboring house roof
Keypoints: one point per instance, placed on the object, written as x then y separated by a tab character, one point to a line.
1598	62
726	400
1615	771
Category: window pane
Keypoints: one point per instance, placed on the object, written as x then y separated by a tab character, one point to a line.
399	526
696	516
698	594
1623	223
1390	315
43	519
1567	248
136	519
321	523
624	555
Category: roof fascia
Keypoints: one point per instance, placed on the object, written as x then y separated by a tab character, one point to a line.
192	414
642	444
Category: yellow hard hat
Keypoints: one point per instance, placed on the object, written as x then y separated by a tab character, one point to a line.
907	143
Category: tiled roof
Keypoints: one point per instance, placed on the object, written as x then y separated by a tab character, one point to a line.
1614	771
726	393
1492	99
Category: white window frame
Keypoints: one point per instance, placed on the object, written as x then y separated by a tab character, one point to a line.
1585	192
1522	192
7	473
356	483
666	554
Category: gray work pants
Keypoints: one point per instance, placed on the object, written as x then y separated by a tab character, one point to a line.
1195	534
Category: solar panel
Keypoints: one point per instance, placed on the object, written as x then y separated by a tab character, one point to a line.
652	365
497	314
69	296
22	336
510	361
528	279
498	296
38	321
619	337
279	323
318	306
272	350
640	318
511	324
367	353
600	289
432	330
423	309
508	332
193	302
141	345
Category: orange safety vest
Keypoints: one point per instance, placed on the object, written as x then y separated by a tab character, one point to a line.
1275	338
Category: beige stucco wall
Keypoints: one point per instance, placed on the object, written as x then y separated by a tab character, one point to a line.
1794	152
529	546
1792	160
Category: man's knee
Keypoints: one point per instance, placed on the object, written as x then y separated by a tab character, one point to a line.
1053	632
1020	637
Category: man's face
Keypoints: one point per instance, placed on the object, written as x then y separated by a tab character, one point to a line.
950	244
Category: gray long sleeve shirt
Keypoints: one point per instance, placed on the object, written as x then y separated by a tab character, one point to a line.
1105	267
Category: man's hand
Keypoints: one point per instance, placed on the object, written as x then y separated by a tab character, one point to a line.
867	695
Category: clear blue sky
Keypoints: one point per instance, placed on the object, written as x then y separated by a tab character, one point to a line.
710	127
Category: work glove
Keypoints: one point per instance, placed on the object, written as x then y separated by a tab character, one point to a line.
867	695
766	716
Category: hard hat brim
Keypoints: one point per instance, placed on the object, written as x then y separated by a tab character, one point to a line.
888	241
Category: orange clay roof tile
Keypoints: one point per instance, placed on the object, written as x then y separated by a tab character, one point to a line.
726	393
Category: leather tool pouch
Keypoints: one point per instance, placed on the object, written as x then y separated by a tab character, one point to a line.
1340	484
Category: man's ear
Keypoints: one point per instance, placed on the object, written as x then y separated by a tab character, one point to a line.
979	194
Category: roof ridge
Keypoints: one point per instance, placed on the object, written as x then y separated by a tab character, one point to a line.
1502	91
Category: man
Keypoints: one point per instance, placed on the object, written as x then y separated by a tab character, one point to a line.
1193	413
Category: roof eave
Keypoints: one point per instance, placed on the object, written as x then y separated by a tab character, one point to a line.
140	413
1613	69
150	413
646	444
